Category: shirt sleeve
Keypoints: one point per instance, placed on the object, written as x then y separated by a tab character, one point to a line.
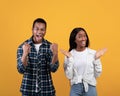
98	67
52	67
68	67
20	67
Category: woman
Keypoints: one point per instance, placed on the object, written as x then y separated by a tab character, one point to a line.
82	65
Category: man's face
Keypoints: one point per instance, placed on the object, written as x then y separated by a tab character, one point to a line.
39	31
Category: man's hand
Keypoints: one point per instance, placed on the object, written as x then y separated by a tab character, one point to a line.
54	48
26	49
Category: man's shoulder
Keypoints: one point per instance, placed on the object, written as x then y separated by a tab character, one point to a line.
47	42
27	41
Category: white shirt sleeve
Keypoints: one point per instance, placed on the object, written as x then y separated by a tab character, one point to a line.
68	67
98	68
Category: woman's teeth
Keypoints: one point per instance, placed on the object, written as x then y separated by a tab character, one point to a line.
83	42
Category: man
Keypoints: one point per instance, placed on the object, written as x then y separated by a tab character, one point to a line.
36	59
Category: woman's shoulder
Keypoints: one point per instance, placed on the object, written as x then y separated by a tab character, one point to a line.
72	51
92	51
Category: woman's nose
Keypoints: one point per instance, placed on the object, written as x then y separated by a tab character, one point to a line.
83	38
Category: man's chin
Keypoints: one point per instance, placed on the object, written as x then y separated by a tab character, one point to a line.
38	40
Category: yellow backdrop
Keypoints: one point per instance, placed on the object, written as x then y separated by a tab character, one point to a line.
100	18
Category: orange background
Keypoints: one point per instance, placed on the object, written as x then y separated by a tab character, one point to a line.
100	18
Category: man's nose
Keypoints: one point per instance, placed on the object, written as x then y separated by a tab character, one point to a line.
39	31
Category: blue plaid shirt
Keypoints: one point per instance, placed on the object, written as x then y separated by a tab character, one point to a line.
38	70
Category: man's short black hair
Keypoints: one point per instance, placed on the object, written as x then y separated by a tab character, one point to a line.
39	20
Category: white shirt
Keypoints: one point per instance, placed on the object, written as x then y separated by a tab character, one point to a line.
80	61
37	46
93	69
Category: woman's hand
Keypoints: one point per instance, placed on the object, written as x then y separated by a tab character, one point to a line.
100	53
66	53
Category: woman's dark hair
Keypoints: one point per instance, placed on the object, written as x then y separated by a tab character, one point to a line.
39	20
73	34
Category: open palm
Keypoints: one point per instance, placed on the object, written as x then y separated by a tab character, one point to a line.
66	53
99	53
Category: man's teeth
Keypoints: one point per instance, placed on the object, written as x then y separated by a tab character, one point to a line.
38	35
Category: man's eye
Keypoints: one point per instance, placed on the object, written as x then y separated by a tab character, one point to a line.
42	29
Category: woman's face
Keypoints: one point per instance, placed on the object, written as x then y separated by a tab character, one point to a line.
81	39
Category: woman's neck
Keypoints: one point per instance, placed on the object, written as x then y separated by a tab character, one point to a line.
80	48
